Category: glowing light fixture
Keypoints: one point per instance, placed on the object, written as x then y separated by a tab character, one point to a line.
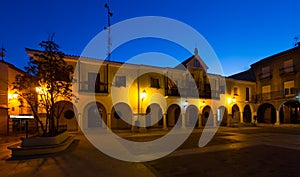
40	90
185	103
143	95
15	95
229	100
203	103
234	100
12	96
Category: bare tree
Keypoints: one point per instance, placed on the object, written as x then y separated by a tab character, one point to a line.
48	79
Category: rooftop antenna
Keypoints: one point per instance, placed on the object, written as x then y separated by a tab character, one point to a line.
296	41
2	53
109	14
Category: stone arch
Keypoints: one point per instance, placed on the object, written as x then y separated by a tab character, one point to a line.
154	116
121	116
191	116
266	113
207	113
174	115
65	113
222	114
96	115
235	110
247	114
289	112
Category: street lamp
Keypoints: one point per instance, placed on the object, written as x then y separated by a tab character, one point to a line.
40	90
143	95
185	103
234	99
203	103
231	100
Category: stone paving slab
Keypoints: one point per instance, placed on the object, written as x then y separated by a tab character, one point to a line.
80	160
252	161
253	151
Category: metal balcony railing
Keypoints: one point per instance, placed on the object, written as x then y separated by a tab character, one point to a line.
99	88
287	70
278	94
188	92
266	75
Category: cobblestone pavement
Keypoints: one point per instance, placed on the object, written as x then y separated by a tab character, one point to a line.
255	151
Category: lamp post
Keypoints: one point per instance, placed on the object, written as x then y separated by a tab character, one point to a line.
200	115
143	96
229	102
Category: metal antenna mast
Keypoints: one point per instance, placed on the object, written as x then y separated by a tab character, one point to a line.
296	38
2	53
109	14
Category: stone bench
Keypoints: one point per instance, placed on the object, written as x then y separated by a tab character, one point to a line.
40	148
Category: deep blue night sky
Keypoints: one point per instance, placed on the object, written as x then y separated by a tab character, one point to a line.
241	32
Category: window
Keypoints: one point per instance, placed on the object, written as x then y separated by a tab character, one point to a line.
266	92
196	63
247	94
265	69
235	91
154	82
288	66
121	81
265	72
222	89
94	82
289	88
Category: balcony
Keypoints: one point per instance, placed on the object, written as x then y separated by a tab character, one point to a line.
287	70
277	95
189	92
93	88
172	92
264	76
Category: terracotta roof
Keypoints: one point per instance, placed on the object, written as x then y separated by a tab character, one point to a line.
245	75
195	56
277	55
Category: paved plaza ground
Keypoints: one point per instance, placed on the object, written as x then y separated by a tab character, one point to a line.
254	151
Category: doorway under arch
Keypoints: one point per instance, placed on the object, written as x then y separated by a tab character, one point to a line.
191	116
65	114
266	113
206	116
121	116
96	113
290	112
222	115
174	115
247	115
154	116
235	114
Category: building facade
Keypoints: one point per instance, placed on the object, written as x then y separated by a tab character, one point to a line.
12	114
278	81
116	95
